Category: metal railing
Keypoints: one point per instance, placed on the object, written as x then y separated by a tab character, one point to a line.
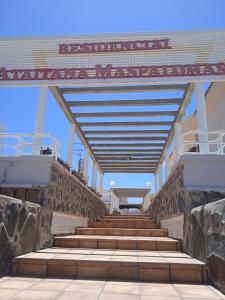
17	144
205	142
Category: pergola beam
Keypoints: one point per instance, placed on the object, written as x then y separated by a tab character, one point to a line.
140	102
125	114
128	151
123	89
136	124
140	171
128	138
128	132
127	145
62	103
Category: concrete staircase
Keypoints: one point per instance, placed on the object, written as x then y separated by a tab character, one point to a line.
121	247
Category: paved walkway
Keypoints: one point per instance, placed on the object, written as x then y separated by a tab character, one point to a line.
22	288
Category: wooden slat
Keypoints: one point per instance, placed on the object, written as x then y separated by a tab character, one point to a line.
128	132
127	145
136	124
124	114
128	151
128	138
140	102
123	89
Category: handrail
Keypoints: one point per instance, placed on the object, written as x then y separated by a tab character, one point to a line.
41	143
212	144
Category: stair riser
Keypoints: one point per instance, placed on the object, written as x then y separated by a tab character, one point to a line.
123	232
162	272
118	244
124	225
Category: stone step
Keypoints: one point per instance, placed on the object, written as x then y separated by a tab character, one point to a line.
128	217
115	265
122	232
118	242
137	224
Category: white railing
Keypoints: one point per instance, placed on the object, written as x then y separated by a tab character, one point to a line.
205	142
16	144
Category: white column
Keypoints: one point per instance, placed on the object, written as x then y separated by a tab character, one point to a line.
70	148
94	175
86	160
101	183
160	176
201	117
156	182
178	140
39	123
167	163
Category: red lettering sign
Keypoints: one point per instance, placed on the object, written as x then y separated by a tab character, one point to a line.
110	72
76	48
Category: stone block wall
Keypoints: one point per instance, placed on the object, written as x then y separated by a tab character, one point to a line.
25	224
207	239
203	221
24	227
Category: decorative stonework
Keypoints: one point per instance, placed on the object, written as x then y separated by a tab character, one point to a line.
207	239
24	227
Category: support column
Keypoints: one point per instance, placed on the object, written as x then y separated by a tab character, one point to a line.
94	175
167	163
178	140
86	159
70	148
160	176
201	118
101	183
39	123
156	182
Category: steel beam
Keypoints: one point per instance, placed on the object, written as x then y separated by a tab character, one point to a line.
123	89
140	102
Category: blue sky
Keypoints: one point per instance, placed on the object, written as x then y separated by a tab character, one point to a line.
57	17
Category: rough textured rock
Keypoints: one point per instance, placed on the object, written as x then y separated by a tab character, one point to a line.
208	234
63	193
25	224
204	222
21	226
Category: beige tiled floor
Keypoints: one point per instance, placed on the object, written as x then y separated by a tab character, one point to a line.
22	288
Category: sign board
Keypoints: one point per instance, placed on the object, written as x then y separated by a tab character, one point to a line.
124	58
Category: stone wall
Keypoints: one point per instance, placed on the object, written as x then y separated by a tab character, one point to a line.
207	239
204	221
25	224
24	227
63	193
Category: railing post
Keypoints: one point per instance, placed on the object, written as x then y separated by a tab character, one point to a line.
39	124
201	118
70	148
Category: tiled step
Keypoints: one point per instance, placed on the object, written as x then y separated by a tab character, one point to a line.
117	265
125	223
118	242
122	232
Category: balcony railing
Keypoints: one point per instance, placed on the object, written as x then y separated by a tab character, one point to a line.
17	144
204	142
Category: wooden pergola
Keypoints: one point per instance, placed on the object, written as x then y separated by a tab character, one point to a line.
118	145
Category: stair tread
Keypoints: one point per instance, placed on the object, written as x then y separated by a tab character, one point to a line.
108	237
109	258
